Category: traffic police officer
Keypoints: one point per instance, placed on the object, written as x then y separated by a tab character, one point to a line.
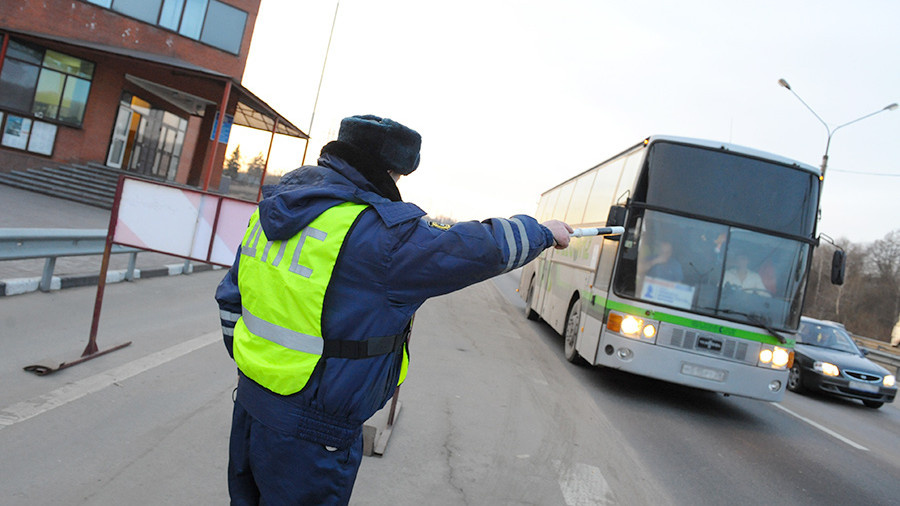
316	308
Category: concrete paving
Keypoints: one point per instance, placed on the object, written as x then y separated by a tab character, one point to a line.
25	209
492	414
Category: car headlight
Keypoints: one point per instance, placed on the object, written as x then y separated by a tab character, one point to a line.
632	326
889	380
775	357
826	368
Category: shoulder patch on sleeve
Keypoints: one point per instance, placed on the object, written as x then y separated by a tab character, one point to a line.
440	226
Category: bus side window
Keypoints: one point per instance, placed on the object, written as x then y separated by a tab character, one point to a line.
632	166
548	202
602	191
575	214
562	204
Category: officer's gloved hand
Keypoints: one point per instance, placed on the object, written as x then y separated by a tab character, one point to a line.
560	231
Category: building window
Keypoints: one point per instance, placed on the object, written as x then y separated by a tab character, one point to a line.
27	134
192	20
209	21
144	10
44	83
224	26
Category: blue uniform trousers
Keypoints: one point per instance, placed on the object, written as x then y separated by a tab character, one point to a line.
272	468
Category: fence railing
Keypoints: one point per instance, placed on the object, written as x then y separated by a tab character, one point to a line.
51	243
881	352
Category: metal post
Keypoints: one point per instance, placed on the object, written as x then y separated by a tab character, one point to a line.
321	77
47	275
3	49
129	272
262	177
212	158
91	348
828	130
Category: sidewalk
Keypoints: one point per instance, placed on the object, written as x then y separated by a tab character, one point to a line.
25	209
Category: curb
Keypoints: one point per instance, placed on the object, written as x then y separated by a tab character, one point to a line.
19	286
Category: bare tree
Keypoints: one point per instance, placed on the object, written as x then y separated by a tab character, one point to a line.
255	167
868	303
233	163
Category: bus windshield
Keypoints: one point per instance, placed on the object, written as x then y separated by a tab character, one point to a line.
713	269
731	188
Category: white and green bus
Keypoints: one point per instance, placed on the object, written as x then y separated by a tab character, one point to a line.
705	286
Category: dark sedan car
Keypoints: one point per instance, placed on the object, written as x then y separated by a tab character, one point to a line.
826	359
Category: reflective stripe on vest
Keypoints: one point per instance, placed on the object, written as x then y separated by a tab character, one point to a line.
278	338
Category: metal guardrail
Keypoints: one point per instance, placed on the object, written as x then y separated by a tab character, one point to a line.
52	243
880	352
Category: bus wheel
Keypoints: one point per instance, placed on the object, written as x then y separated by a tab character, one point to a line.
531	314
573	323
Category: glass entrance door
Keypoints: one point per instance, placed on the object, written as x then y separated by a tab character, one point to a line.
129	119
123	131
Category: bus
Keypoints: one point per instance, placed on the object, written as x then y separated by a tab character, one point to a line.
705	286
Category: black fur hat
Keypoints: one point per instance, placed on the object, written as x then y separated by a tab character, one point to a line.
394	146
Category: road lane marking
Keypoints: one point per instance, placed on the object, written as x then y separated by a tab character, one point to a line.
21	411
824	429
583	485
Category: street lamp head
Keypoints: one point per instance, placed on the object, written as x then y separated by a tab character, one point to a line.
891	107
783	83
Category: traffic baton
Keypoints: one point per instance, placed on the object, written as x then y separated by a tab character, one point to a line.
585	232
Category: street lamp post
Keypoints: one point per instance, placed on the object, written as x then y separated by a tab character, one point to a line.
831	131
828	129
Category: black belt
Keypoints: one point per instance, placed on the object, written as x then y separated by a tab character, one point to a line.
371	347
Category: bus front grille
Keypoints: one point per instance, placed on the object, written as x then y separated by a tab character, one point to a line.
705	343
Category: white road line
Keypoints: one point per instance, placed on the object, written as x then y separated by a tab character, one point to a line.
826	430
31	408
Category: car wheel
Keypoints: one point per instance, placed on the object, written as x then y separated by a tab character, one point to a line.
795	380
573	323
531	314
873	404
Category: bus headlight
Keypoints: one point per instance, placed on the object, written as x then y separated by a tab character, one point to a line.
774	357
826	368
780	357
889	380
633	327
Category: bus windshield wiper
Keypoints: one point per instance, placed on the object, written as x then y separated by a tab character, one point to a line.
756	320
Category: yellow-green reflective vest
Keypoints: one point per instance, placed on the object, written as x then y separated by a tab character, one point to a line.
278	338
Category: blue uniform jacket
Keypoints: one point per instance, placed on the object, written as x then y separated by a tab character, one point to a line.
391	262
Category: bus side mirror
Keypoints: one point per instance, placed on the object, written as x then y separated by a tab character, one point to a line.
838	266
615	218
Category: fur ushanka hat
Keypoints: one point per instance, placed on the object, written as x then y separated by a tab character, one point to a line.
394	146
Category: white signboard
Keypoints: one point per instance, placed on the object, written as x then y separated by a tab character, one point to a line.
667	292
181	222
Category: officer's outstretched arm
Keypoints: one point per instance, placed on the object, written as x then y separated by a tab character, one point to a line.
435	259
561	233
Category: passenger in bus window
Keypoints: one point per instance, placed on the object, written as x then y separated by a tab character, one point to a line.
663	265
742	276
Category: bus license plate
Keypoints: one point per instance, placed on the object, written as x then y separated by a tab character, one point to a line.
864	387
700	371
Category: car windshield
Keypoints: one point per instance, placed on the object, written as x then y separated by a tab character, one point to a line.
826	336
713	269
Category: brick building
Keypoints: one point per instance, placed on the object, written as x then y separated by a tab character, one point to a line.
130	84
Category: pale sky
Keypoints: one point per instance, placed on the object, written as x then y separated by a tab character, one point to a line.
513	97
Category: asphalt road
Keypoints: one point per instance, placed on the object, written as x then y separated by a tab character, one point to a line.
705	448
491	414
